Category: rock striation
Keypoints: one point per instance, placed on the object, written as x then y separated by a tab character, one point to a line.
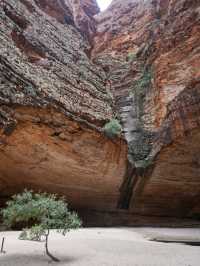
53	105
66	70
150	50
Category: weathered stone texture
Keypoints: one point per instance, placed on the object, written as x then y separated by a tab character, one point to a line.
53	106
49	152
150	50
43	62
66	69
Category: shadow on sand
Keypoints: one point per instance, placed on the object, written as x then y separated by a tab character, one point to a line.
33	260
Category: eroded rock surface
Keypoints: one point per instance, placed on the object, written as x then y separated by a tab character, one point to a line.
67	69
150	50
53	107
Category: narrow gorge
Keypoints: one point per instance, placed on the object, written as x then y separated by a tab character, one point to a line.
66	70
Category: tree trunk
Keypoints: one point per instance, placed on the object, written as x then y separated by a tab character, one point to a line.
47	250
2	245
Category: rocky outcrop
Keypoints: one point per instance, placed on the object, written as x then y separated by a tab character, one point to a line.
83	14
53	107
150	50
66	70
49	152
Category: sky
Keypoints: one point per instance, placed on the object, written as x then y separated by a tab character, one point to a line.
103	4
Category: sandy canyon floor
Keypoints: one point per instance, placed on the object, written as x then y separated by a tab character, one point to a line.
106	247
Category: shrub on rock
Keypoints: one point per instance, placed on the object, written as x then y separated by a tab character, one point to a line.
113	129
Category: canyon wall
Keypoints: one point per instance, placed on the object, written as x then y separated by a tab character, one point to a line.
53	108
66	70
150	50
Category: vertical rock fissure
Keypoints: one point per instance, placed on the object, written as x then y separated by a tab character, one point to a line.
130	106
126	190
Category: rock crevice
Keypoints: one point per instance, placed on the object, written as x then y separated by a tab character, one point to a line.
67	69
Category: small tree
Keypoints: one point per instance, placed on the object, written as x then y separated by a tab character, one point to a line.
113	129
40	212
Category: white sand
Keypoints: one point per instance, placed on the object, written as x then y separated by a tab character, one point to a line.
105	247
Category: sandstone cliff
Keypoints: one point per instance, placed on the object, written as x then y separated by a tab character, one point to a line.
151	52
66	70
53	107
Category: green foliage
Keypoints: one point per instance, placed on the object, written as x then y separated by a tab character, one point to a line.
145	80
42	209
113	129
40	212
35	233
141	143
131	56
141	87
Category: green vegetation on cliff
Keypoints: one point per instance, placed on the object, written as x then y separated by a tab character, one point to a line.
113	129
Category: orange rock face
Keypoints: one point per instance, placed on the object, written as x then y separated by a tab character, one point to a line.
151	53
66	70
49	152
53	107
